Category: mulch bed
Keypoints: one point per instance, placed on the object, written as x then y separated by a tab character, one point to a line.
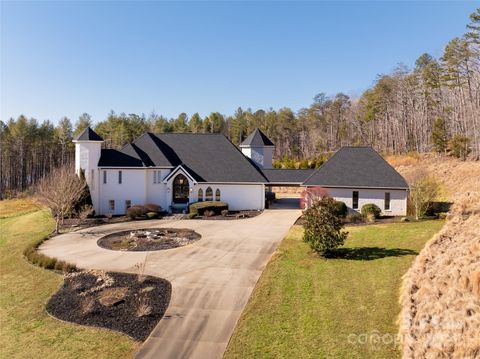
149	239
232	215
382	220
117	301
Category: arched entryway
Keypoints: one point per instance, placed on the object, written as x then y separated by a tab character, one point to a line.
181	189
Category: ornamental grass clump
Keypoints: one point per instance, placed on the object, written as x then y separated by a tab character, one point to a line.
323	227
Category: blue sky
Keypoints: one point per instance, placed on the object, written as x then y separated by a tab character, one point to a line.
65	58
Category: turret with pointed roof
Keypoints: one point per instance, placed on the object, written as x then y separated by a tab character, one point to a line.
258	147
88	135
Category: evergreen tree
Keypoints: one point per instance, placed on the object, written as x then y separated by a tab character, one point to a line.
439	135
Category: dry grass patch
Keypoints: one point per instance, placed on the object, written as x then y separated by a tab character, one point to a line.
27	331
440	300
17	207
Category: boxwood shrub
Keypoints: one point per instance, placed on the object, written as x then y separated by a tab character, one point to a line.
199	208
371	210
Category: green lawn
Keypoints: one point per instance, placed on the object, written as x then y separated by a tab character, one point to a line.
27	331
305	306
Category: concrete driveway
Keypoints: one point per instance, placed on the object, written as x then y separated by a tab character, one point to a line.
212	279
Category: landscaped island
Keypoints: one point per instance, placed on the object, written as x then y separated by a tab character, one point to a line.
128	303
149	239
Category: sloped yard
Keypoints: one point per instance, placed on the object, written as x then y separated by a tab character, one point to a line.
308	307
27	331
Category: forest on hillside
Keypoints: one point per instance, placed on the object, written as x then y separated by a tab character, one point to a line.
434	106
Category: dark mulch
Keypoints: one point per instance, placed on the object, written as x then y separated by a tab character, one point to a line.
156	239
121	302
232	215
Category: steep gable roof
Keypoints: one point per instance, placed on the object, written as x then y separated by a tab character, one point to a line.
257	139
88	135
360	167
207	157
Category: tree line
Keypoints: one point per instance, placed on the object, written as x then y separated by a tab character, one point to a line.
433	106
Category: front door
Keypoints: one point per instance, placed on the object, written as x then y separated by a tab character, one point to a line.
181	189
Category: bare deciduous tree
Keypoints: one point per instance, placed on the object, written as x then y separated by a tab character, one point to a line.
60	192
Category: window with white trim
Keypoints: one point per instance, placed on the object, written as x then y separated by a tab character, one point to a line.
387	201
209	194
355	199
128	204
92	179
104	177
217	194
111	205
200	195
119	177
154	176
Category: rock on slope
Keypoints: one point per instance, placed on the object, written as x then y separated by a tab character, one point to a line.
440	316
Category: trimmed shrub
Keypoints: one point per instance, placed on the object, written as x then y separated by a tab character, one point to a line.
371	211
341	209
151	207
323	227
192	215
136	211
225	212
199	208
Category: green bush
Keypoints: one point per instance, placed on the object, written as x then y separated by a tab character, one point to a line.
341	209
371	210
136	212
199	208
152	215
323	227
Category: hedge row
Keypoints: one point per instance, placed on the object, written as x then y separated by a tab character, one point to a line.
33	256
149	211
199	208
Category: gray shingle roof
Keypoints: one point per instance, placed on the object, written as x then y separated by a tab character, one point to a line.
207	157
88	135
287	175
357	167
257	139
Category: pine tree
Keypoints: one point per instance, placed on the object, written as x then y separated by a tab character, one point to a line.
439	135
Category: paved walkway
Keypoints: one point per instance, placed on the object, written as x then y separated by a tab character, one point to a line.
212	279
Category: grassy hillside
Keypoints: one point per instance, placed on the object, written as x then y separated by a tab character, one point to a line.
308	307
27	331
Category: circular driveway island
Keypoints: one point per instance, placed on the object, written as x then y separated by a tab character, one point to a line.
211	279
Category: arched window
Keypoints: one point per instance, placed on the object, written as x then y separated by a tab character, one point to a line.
209	194
217	194
200	195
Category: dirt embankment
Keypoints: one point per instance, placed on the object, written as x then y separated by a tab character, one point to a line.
440	299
